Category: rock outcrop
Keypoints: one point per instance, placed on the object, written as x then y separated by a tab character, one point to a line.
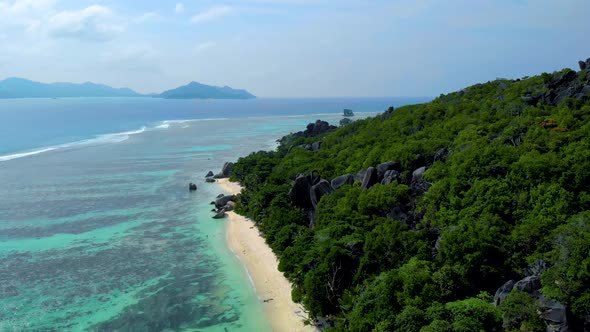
417	174
219	215
391	176
371	177
316	146
222	201
360	176
555	315
318	190
225	171
553	312
210	174
342	180
388	166
300	192
529	285
317	128
503	292
568	84
192	187
312	130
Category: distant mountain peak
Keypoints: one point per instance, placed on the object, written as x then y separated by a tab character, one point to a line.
15	87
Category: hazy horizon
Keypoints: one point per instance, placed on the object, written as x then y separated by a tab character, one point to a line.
291	48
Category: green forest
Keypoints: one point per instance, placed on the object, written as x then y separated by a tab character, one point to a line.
468	213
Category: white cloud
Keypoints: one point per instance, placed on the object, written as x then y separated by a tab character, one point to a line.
145	17
179	9
212	13
91	23
200	48
25	15
23	6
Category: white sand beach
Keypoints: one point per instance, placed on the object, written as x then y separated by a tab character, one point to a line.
261	264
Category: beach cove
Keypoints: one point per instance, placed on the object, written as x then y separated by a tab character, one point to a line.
103	234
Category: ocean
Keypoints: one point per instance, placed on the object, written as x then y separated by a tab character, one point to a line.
98	231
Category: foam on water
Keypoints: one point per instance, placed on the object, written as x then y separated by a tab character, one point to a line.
105	138
101	139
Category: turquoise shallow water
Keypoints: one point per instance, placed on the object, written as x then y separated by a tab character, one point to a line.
107	237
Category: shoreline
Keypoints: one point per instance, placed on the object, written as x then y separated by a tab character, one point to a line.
261	266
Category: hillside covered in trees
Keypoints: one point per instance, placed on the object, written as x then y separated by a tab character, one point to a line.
469	213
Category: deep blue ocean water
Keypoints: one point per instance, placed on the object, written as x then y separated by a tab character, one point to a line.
97	228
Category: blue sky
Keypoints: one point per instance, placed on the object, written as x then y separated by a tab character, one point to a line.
292	47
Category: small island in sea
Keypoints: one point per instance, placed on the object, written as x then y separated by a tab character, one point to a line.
468	213
347	112
23	88
195	90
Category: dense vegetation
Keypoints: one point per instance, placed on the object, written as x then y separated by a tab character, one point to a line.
505	195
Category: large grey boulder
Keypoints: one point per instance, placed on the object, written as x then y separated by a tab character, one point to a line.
342	180
192	187
503	292
226	169
219	215
391	176
529	284
300	192
582	65
229	206
360	176
555	315
222	201
371	177
210	180
210	174
316	146
318	190
417	174
387	166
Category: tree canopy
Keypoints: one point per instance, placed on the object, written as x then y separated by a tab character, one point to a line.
505	195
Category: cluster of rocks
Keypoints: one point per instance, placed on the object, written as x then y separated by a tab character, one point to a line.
223	203
553	312
308	189
569	84
312	130
225	173
317	128
210	177
315	146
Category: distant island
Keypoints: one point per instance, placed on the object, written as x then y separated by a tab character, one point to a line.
348	112
195	90
23	88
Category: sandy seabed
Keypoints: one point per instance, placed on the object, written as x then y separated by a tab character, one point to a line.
261	264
